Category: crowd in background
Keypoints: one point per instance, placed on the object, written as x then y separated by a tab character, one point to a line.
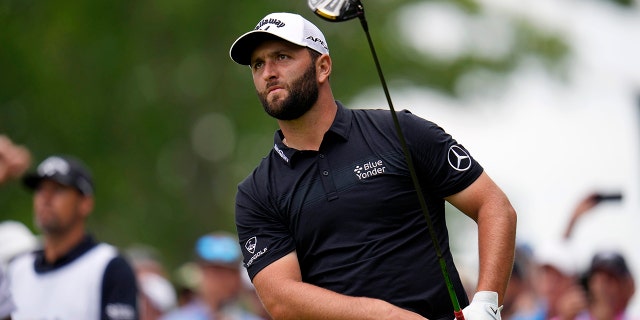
546	282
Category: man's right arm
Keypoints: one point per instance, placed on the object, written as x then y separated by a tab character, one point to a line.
285	296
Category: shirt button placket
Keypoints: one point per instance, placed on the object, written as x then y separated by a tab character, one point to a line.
327	181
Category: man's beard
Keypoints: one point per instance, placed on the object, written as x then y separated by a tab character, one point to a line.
51	224
303	95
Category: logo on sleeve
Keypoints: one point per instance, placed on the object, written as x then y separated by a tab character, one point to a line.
250	245
458	158
120	311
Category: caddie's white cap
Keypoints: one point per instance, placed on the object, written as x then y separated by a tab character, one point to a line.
287	26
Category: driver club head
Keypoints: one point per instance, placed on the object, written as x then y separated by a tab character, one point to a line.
336	10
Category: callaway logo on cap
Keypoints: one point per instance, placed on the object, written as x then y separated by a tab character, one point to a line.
66	170
287	26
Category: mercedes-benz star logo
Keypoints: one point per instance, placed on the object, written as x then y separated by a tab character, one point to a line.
459	159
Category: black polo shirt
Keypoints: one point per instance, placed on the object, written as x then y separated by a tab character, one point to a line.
351	213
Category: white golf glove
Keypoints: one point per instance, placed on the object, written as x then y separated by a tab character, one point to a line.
484	306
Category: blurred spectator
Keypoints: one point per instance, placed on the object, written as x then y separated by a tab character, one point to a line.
608	282
14	159
250	297
556	281
218	258
6	302
585	205
521	301
187	277
156	295
15	239
73	276
610	287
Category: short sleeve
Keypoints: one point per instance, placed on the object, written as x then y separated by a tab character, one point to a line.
444	165
119	291
262	231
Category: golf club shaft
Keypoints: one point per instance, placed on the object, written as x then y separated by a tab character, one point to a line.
414	177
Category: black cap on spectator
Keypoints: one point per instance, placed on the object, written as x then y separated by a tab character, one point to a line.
609	261
65	170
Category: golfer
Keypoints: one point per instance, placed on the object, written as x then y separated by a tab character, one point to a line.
330	222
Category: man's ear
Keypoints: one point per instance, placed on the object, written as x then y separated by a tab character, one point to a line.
86	205
323	68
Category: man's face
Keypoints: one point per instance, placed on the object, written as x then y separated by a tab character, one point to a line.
611	289
220	285
58	208
285	79
551	283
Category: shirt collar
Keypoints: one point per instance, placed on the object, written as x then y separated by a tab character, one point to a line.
41	265
341	126
342	123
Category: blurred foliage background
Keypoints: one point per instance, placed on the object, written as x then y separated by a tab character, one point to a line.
145	93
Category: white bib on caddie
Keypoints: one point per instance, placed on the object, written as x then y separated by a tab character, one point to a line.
72	292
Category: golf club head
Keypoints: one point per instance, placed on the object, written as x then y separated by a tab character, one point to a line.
336	10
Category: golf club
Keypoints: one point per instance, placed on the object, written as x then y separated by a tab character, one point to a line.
343	10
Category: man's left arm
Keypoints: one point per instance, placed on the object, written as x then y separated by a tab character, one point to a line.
119	291
484	202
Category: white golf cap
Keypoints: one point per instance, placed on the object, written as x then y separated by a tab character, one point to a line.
158	290
287	26
15	239
558	255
